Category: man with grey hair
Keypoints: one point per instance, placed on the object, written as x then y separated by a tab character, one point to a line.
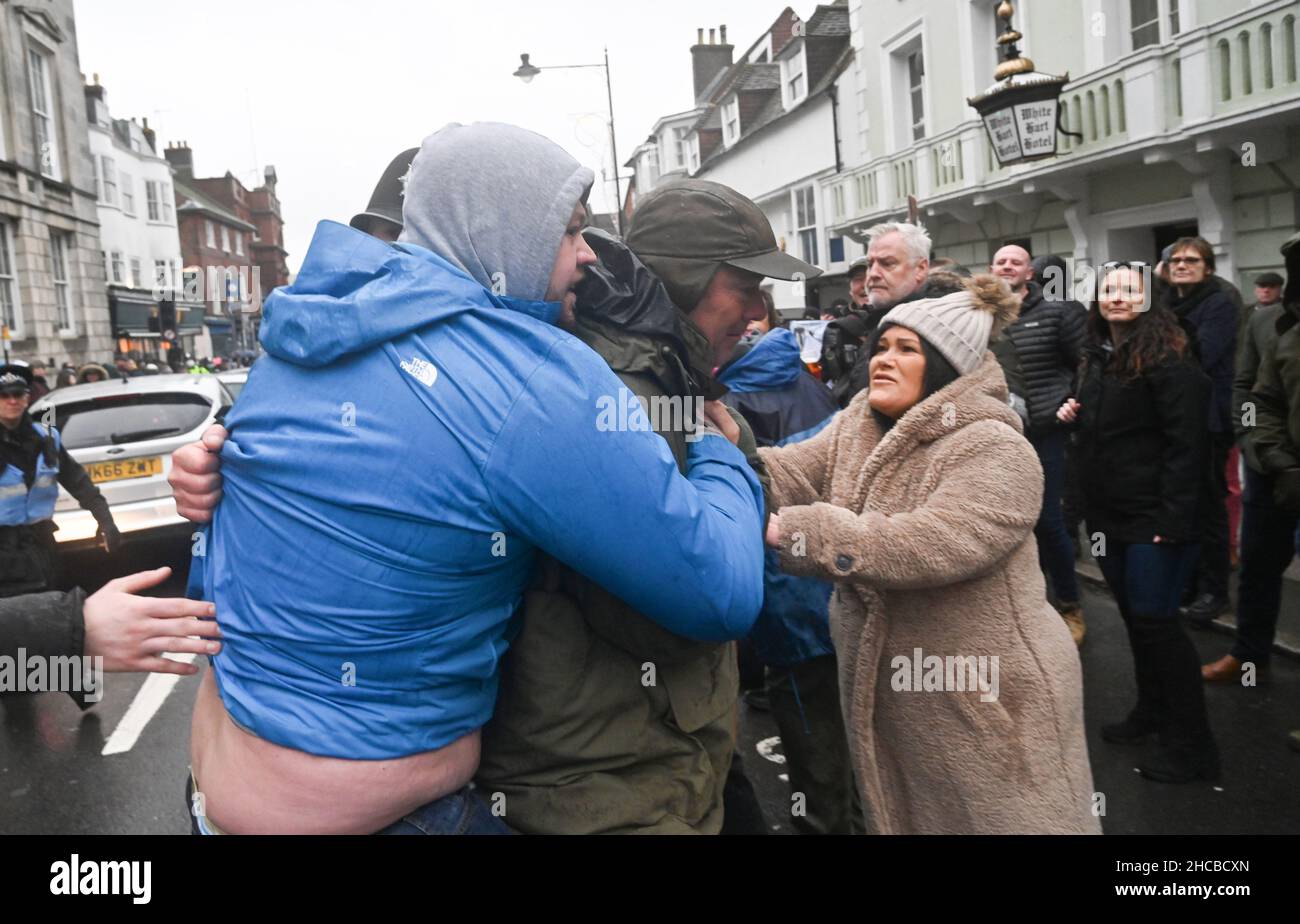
897	262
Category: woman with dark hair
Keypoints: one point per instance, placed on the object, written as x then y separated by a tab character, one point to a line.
1143	456
918	502
1209	314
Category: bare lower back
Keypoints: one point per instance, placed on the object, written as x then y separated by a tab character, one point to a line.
251	786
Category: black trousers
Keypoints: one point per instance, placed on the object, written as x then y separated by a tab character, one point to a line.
1267	547
805	702
1214	566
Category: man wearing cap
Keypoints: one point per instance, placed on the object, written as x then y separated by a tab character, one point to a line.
35	463
639	736
846	333
1265	392
383	215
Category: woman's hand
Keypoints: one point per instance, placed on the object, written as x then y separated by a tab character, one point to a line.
773	537
1069	411
132	632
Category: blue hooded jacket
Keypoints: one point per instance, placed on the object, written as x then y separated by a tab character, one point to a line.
783	404
407	443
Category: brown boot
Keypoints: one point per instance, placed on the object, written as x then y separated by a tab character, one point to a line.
1073	616
1226	669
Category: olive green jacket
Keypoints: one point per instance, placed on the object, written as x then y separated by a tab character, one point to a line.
1274	441
605	722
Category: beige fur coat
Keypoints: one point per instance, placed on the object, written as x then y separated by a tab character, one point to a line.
961	688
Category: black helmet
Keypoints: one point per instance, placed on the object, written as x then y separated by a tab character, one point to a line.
386	201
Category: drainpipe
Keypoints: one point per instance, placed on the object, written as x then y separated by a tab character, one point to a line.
835	122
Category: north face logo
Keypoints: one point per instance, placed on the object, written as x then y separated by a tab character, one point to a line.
425	371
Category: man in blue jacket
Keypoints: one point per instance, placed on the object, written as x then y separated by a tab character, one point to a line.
418	430
784	404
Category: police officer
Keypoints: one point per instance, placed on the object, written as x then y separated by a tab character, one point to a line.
33	463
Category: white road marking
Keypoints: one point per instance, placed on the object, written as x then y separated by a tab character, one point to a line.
768	749
148	700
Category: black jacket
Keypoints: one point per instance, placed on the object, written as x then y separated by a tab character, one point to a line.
1210	313
1143	449
47	625
842	345
1048	337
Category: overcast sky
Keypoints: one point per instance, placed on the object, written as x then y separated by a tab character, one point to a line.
328	91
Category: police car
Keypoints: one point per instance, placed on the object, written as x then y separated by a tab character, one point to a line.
123	433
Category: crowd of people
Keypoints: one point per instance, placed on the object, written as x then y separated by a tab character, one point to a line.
521	620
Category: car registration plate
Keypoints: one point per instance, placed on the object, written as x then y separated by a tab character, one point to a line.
120	469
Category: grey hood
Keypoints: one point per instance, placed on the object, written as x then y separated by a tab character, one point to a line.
494	200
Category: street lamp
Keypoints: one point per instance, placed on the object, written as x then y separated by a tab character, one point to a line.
527	71
1020	110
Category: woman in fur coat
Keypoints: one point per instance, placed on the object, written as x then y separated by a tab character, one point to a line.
960	685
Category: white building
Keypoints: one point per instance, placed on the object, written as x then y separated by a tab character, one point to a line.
52	303
768	124
1189	112
140	244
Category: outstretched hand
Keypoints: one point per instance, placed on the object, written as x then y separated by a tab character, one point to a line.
131	632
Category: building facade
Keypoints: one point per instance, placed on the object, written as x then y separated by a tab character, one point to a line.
768	124
232	244
1188	112
53	303
1185	114
141	249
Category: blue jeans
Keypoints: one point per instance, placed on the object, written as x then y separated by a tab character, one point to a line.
461	812
1148	579
1055	551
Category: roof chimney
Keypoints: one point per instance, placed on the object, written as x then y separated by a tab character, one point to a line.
722	33
150	135
181	158
707	61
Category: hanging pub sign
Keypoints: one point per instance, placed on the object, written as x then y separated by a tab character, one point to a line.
1020	116
1020	110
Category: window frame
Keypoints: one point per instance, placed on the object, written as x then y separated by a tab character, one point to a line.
225	239
108	168
152	202
210	233
9	281
730	114
789	96
915	92
117	266
804	212
61	243
40	72
127	184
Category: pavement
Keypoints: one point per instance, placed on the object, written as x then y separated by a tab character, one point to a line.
55	776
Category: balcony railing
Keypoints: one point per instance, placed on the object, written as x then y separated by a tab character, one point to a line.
1238	63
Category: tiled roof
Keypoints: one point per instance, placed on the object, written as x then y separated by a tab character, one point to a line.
757	77
193	200
828	20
